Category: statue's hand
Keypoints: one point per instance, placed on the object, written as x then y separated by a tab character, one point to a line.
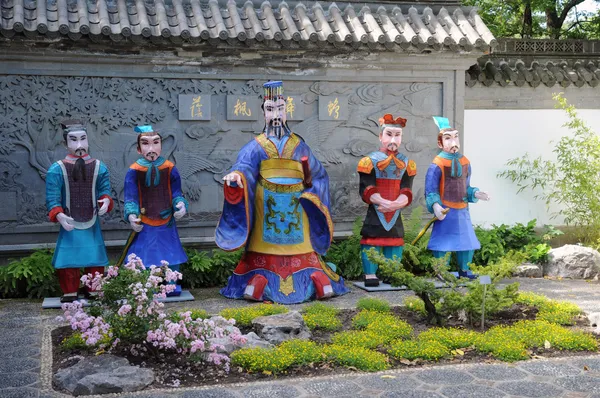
135	222
402	201
233	177
439	211
103	203
482	196
65	221
181	212
386	206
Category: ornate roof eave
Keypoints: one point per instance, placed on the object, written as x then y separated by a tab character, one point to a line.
538	62
424	27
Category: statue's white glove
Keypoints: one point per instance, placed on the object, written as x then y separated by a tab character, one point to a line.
104	203
482	196
233	177
135	222
181	212
439	211
65	221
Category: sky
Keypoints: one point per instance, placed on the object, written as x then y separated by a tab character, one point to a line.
588	5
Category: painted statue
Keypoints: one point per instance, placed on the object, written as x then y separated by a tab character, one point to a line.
448	185
77	193
277	207
153	201
386	178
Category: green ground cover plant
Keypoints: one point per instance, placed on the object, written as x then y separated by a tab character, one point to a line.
321	316
553	311
244	316
373	304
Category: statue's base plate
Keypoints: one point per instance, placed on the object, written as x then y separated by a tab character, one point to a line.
384	287
54	302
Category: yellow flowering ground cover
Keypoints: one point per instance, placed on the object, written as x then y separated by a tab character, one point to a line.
375	336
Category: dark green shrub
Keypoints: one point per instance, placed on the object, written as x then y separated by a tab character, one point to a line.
345	254
32	277
204	270
492	247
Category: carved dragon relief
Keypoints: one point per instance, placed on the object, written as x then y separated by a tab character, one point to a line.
30	114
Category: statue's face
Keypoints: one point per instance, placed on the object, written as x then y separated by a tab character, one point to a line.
450	142
150	147
390	138
275	116
77	143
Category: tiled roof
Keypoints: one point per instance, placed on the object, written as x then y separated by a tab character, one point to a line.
385	25
507	72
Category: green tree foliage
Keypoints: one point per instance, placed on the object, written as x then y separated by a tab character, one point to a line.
571	182
555	19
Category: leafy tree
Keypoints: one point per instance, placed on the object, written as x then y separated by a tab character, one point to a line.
572	181
538	18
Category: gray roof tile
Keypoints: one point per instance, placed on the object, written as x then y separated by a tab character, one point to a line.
563	72
280	23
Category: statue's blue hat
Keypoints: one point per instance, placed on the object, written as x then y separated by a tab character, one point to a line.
143	129
442	122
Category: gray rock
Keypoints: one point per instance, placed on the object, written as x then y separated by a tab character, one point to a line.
123	379
227	346
594	319
224	345
103	374
252	341
573	261
529	270
224	324
281	327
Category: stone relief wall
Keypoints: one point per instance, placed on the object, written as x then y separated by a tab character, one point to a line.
31	108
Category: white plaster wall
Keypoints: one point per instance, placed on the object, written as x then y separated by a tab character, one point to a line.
492	137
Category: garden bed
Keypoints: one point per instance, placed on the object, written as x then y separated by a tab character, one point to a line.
173	370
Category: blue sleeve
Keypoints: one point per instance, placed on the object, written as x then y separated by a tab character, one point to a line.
132	197
432	186
103	181
315	201
54	185
471	190
176	194
235	223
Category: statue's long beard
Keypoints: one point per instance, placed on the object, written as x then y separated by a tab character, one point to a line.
276	131
79	170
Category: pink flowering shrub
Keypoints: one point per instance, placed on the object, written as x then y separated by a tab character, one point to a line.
127	313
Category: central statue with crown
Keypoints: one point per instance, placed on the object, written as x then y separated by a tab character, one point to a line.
277	207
